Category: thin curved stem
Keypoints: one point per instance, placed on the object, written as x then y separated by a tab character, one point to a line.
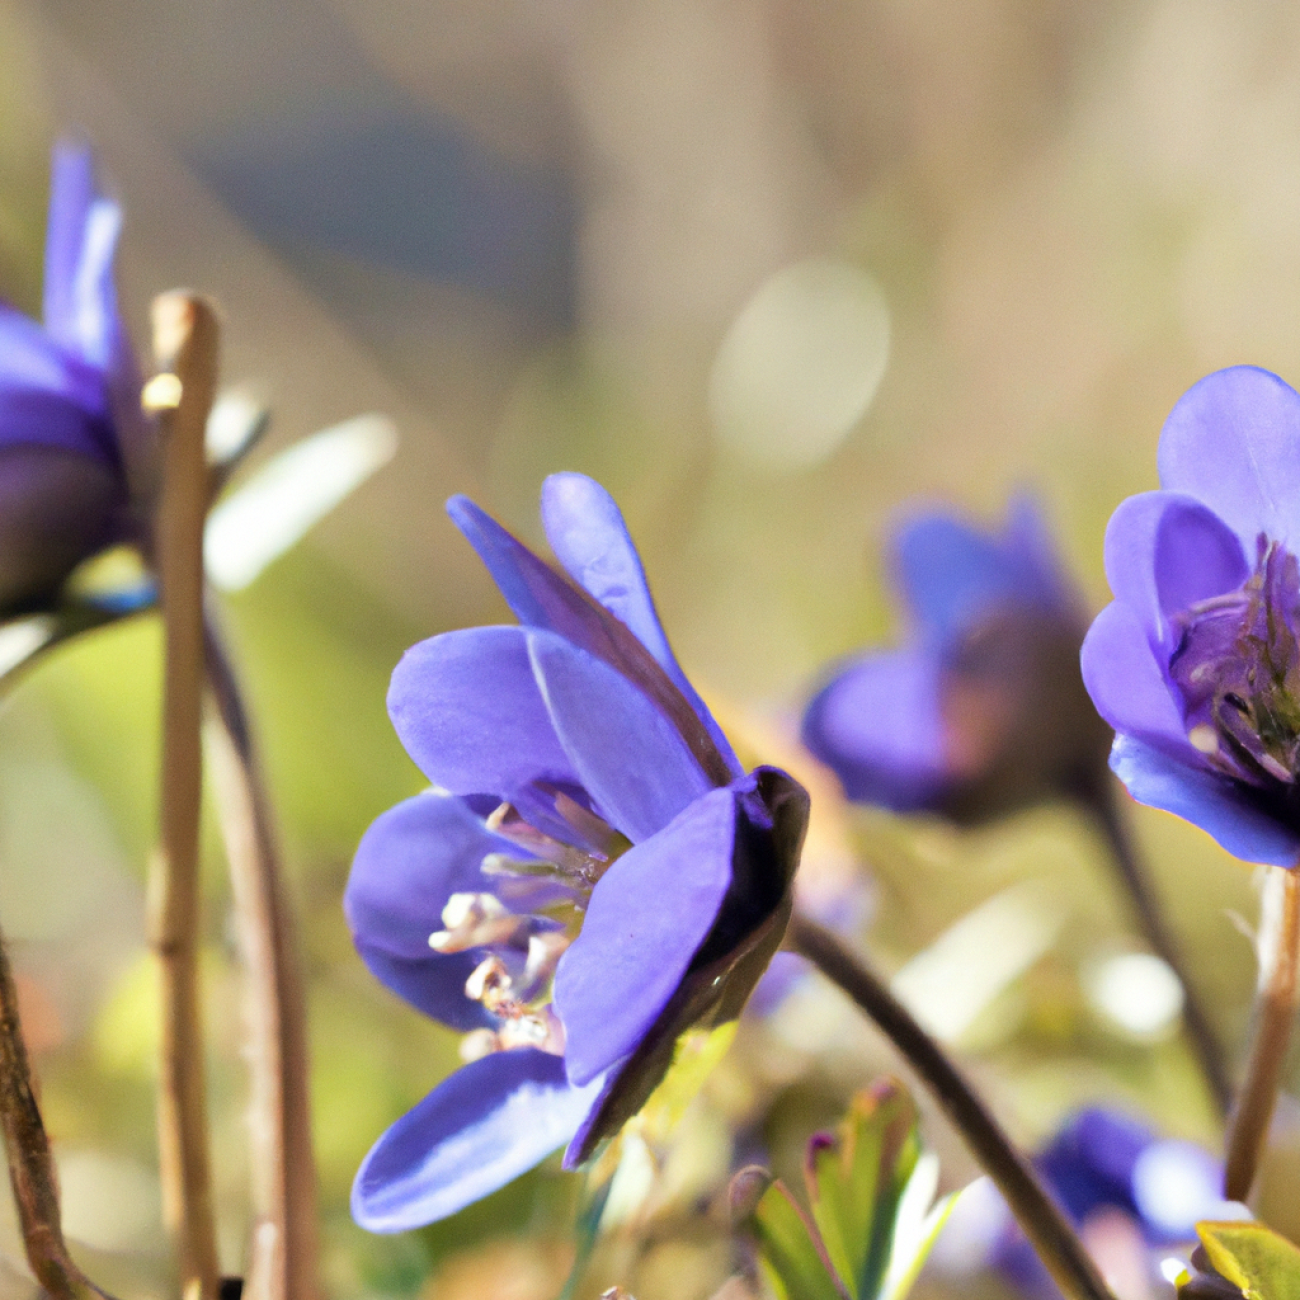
1275	1009
1201	1037
282	1263
31	1165
1046	1227
185	343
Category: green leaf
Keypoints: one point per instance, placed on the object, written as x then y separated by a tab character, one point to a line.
791	1250
856	1181
1254	1258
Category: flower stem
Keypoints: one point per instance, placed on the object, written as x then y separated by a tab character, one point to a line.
185	345
1133	876
282	1263
1046	1227
31	1166
1275	1007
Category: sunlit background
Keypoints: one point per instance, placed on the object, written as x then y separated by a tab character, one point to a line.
768	269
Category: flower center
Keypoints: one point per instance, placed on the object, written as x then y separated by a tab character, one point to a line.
550	889
1238	669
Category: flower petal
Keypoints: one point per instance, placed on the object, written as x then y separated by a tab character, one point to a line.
1127	682
627	755
407	866
72	192
433	984
646	920
409	863
586	531
1165	551
488	1123
1219	806
878	725
47	396
952	574
467	709
1233	441
543	598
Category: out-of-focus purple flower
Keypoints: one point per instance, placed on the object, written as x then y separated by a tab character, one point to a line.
1128	1192
75	445
592	839
1196	663
983	710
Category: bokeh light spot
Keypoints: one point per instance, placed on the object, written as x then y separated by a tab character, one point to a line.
800	364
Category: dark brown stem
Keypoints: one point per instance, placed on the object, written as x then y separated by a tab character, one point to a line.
1046	1227
1133	876
282	1262
31	1166
185	343
1275	1009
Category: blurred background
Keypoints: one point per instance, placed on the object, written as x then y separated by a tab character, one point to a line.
766	268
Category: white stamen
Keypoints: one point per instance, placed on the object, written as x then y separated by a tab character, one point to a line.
477	1044
1204	739
465	910
490	984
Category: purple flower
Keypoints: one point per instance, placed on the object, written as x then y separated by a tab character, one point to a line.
1196	663
1127	1190
593	874
983	711
73	437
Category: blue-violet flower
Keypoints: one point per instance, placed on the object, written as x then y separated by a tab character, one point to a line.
1196	663
1131	1194
75	445
983	711
593	874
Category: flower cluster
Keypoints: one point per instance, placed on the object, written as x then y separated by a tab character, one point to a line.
593	874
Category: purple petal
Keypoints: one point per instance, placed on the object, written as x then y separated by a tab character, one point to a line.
1128	684
628	756
1165	551
434	984
1233	441
647	918
81	310
878	726
1025	536
586	531
542	598
407	866
952	575
484	1126
409	863
47	396
467	708
1219	806
72	192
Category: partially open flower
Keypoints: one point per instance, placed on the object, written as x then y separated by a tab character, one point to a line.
74	442
1133	1196
984	710
594	875
1196	663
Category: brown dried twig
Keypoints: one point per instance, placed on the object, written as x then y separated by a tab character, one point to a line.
181	394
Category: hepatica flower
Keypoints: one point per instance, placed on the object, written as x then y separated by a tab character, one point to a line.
73	438
1196	664
593	874
983	710
1131	1194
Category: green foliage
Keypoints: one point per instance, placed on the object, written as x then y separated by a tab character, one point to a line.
1254	1258
869	1187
